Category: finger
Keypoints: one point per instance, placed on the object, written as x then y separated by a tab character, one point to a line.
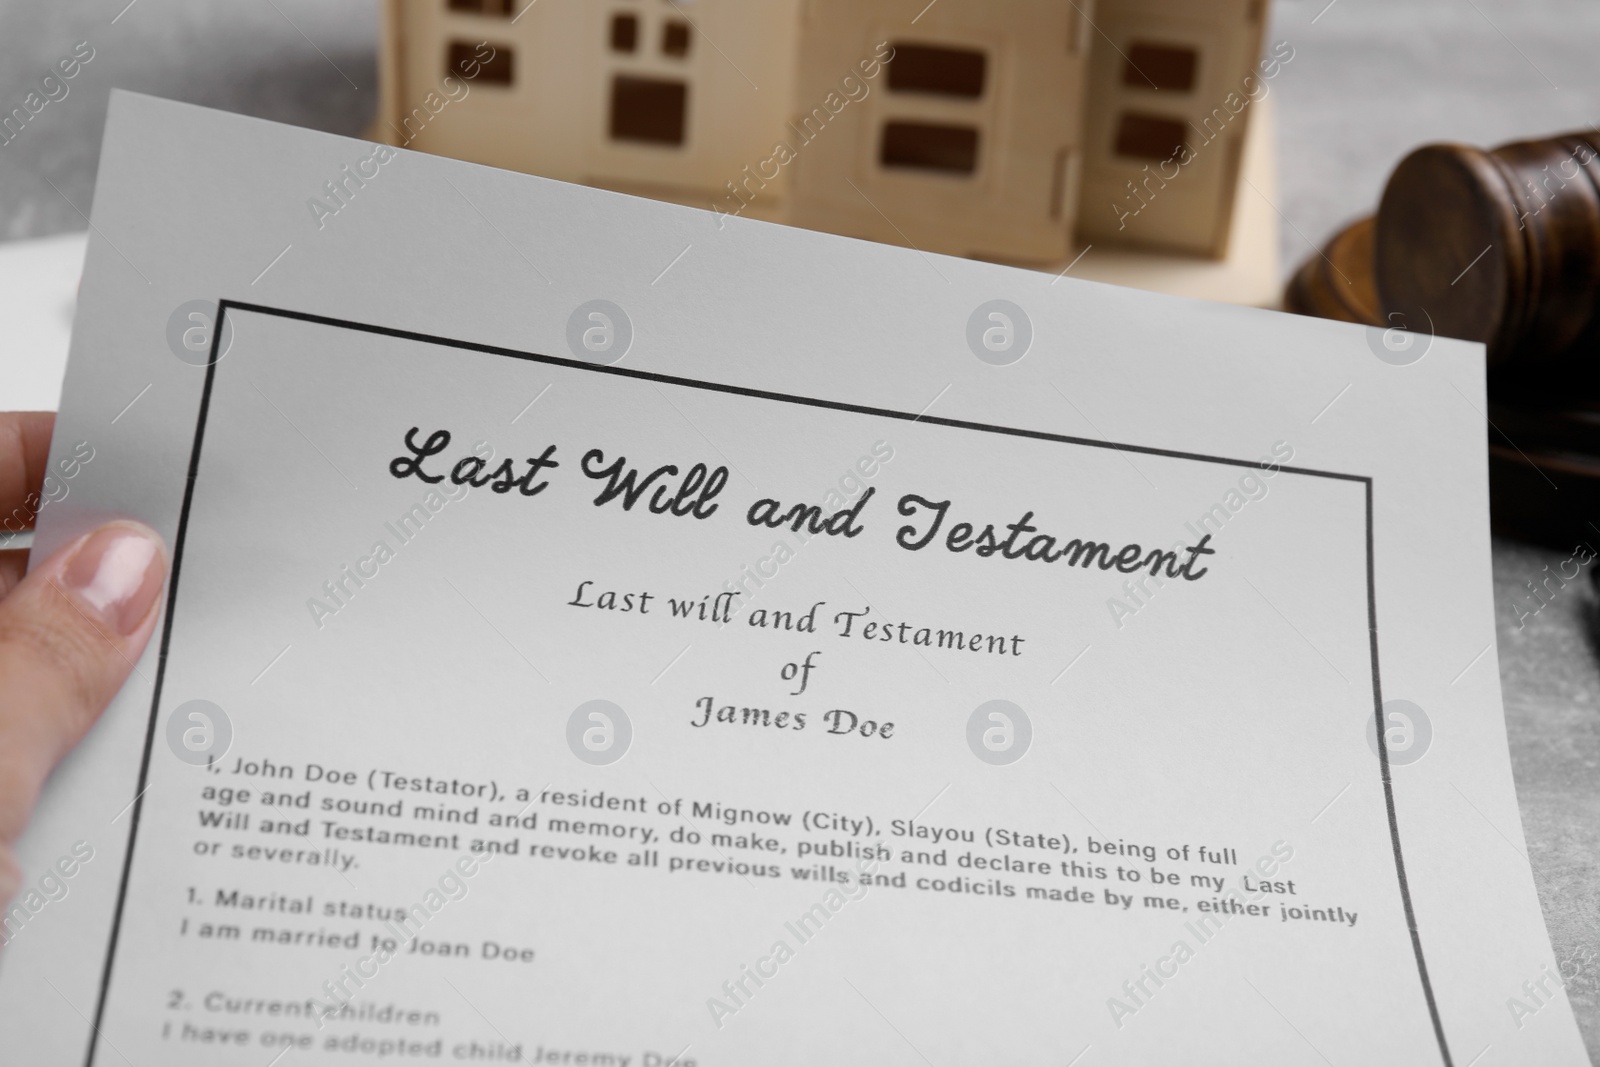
24	453
69	635
13	565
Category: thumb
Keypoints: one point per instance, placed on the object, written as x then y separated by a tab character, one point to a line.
70	633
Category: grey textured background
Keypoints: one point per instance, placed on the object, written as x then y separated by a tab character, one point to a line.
1369	80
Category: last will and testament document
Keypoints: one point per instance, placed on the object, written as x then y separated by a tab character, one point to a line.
603	632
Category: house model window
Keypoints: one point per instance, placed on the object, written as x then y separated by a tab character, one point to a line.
957	72
651	110
624	33
929	146
462	55
1155	68
648	106
675	39
955	77
1161	67
1149	136
483	7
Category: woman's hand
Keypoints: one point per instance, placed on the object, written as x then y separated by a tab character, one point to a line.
69	632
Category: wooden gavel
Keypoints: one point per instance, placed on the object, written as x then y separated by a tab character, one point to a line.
1500	246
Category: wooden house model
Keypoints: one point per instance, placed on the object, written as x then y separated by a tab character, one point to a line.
1009	130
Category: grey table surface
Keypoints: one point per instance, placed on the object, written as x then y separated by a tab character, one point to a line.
1370	79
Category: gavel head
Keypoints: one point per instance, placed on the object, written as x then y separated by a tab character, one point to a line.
1499	246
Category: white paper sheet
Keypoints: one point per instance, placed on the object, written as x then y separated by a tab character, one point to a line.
38	285
484	729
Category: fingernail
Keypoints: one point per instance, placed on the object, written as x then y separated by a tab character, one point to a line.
117	573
